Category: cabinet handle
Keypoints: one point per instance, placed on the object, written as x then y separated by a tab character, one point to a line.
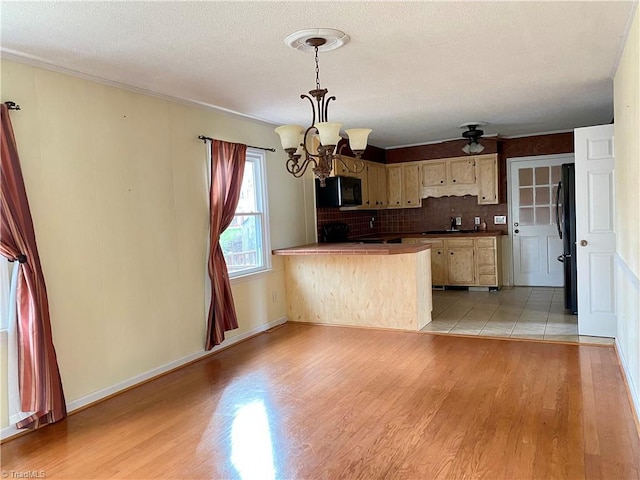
451	253
408	201
441	181
454	180
483	198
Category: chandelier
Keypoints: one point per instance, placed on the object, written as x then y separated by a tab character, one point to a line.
316	145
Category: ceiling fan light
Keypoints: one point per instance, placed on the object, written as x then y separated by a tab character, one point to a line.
329	132
358	138
466	149
289	136
476	148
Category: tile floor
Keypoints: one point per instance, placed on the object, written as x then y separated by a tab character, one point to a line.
535	313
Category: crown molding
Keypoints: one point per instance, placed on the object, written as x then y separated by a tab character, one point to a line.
33	61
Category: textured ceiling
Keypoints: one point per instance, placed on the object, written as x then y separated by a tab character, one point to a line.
413	71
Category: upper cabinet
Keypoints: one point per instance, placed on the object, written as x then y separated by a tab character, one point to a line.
403	185
377	186
434	173
471	175
340	167
373	177
461	171
487	172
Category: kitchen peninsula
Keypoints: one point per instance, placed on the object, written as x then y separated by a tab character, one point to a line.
353	284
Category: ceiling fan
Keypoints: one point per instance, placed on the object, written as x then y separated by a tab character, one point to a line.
473	134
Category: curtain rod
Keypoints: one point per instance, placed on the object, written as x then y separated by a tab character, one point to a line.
12	105
204	139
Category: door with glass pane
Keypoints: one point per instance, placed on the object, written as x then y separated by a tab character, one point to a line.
534	236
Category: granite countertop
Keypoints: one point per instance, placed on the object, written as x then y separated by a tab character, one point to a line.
353	249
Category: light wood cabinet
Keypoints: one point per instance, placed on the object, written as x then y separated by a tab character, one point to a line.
434	174
464	261
460	261
377	186
394	186
448	173
403	186
411	187
340	167
488	261
461	171
487	173
472	175
438	263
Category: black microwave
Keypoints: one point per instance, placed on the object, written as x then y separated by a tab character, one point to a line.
339	192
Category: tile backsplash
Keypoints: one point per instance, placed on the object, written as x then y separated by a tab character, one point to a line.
434	215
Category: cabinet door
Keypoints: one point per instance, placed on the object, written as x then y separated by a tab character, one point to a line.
381	189
434	174
462	171
487	262
438	266
394	186
487	170
411	185
366	186
460	266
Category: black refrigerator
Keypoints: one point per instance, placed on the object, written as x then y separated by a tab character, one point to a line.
566	222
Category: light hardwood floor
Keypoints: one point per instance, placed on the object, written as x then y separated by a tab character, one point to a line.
319	402
533	313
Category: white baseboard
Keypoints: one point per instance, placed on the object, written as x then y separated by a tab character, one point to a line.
93	397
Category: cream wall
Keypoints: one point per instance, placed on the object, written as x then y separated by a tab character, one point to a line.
627	152
117	186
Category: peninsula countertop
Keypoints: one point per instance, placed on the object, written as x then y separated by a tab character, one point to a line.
352	248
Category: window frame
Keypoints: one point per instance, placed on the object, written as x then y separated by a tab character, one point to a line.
258	158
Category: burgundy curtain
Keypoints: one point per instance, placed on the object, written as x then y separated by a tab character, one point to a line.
227	169
38	376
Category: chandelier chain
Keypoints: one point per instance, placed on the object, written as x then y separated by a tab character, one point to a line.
317	70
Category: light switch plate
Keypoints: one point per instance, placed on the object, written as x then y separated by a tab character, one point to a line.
500	220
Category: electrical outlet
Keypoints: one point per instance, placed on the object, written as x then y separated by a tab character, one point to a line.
500	220
476	221
458	221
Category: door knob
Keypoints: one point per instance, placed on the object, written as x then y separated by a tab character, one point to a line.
516	231
583	243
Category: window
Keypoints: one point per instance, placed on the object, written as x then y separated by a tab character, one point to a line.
245	243
6	295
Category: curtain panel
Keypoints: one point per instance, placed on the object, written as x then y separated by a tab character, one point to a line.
39	380
227	170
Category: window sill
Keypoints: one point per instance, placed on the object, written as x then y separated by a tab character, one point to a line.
247	277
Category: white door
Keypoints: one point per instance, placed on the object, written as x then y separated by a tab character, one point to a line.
595	230
534	236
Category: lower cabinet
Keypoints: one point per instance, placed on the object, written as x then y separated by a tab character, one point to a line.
438	263
460	261
471	261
